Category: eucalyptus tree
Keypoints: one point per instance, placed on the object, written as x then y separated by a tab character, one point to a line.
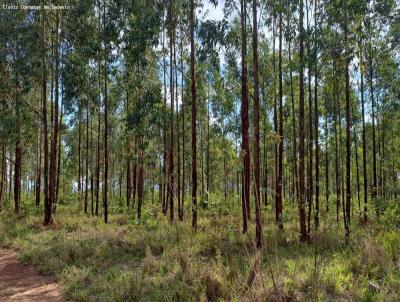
303	230
256	129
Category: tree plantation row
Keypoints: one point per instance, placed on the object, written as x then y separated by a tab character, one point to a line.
182	103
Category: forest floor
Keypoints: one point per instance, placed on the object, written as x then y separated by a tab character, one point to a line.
154	260
19	283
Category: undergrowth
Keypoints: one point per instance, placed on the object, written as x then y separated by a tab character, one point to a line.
154	260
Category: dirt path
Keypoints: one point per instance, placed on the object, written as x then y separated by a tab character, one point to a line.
22	283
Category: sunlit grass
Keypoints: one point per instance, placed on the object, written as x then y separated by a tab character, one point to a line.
154	260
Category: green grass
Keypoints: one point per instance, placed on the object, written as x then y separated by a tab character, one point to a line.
154	260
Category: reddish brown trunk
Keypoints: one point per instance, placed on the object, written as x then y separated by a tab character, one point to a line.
303	230
171	180
364	144
140	183
348	137
47	202
316	119
3	175
278	200
245	122
193	95
105	187
38	169
256	131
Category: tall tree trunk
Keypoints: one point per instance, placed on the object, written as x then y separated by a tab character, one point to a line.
98	154
256	132
316	119
337	177
105	186
302	214
326	156
278	200
18	155
183	138
364	142
134	177
178	152
245	121
87	159
295	169
98	116
47	202
91	164
165	131
348	138
3	174
55	123
140	181
58	155
79	157
38	169
193	95
357	167
374	174
171	180
128	159
310	185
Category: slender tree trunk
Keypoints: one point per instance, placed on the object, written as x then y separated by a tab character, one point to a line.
98	117
17	171
165	181
348	139
178	151
256	132
18	153
87	159
47	202
3	174
316	119
171	180
54	143
98	158
357	167
278	200
128	159
193	95
302	214
310	185
38	169
245	122
58	156
364	143
105	186
134	177
91	164
326	156
140	182
336	109
275	117
374	174
79	158
295	169
183	138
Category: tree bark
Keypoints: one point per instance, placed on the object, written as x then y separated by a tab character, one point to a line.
364	143
278	200
47	202
105	186
256	131
303	230
348	138
193	95
171	180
